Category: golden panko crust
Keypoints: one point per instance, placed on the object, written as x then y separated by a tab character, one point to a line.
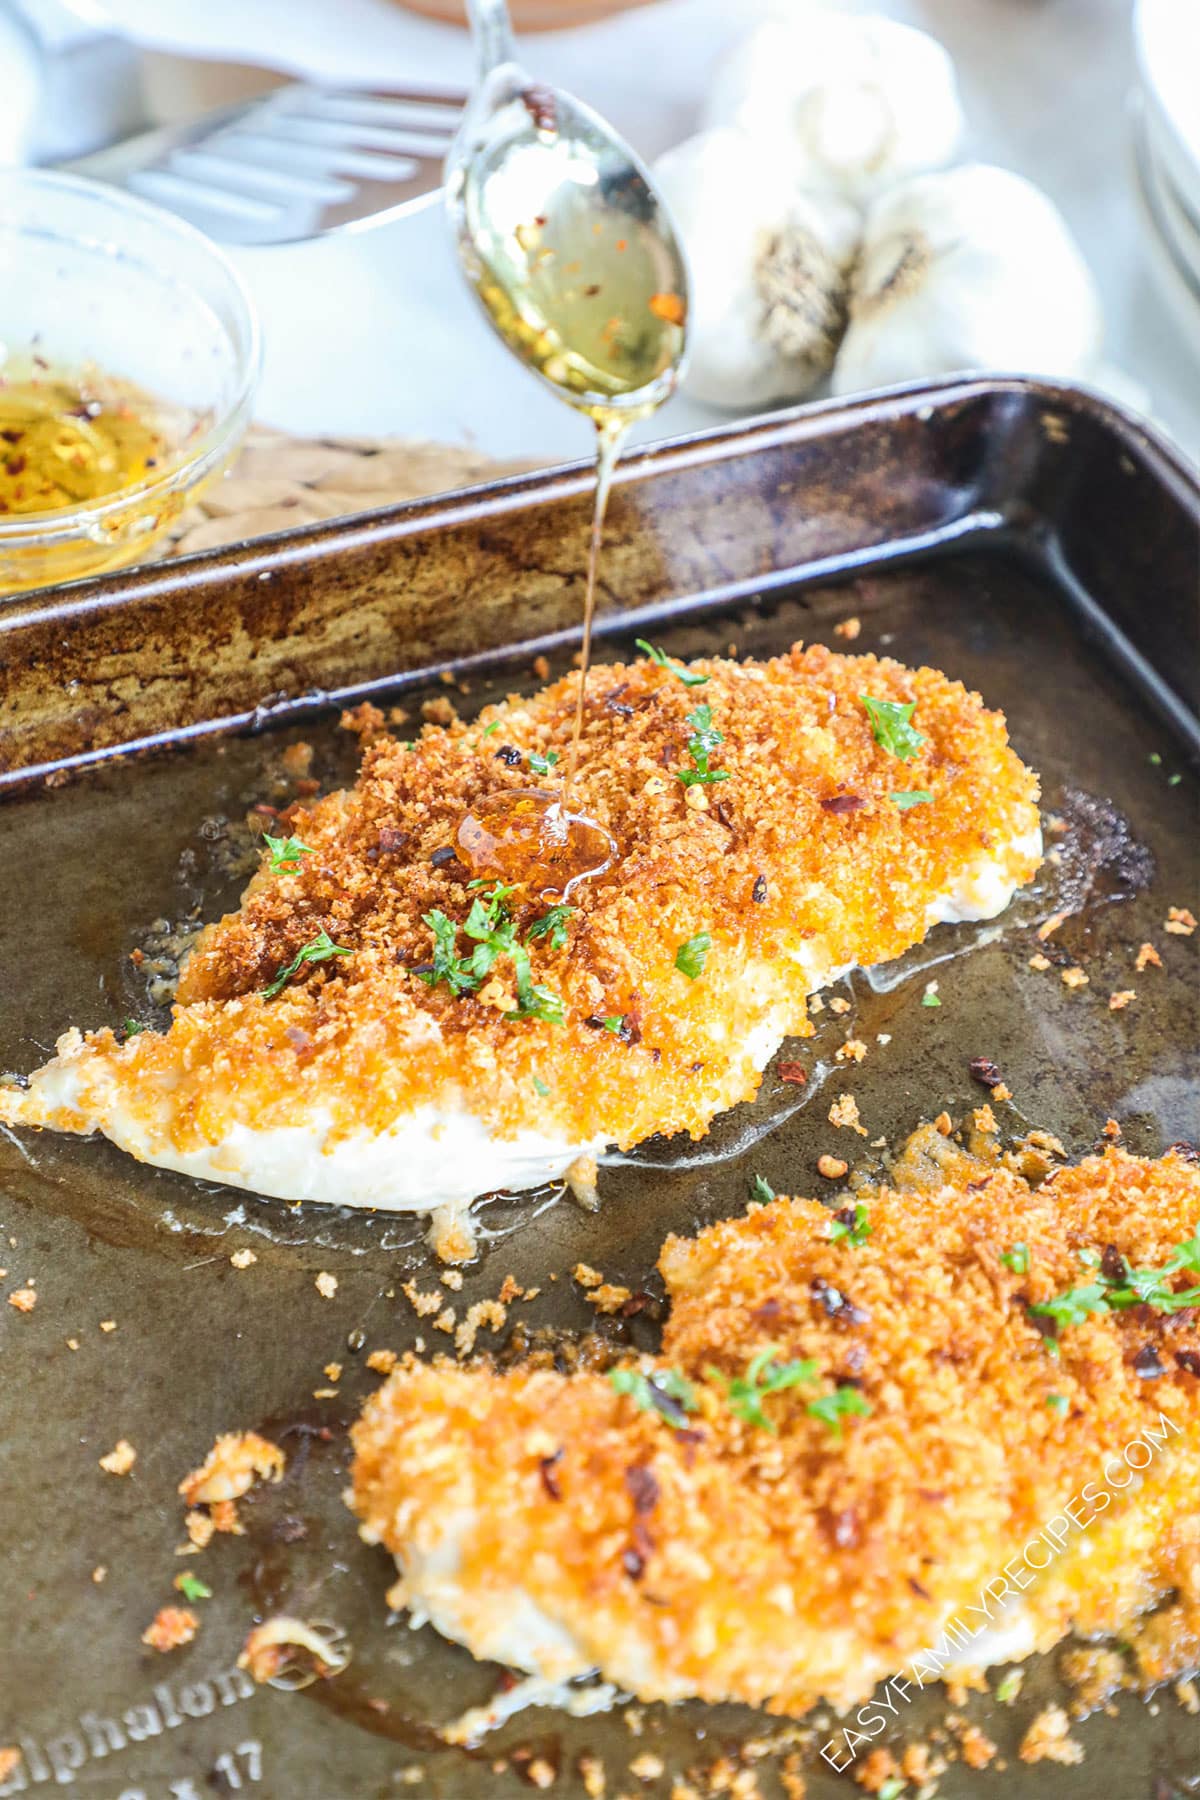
801	850
783	1569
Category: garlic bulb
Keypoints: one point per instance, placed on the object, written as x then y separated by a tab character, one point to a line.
850	105
770	268
971	269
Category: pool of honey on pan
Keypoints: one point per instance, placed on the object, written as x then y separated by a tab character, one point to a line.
132	859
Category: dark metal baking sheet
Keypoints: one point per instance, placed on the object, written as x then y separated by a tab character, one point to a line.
1029	541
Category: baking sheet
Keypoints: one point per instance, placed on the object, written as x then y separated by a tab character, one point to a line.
124	856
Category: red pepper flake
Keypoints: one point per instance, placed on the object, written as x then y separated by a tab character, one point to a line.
842	803
985	1071
793	1072
666	306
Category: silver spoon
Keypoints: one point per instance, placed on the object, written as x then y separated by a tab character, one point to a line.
563	238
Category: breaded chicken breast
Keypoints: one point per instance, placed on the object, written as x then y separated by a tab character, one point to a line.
948	1424
372	1029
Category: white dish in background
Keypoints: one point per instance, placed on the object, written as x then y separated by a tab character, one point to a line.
1178	280
1167	46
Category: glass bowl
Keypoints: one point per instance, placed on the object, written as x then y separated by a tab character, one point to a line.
118	299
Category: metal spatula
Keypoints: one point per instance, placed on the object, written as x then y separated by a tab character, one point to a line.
295	163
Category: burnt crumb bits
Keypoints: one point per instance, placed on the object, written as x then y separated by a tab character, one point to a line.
1112	1264
1189	1362
984	1070
391	840
1148	1364
1188	1152
546	1469
445	853
833	1302
633	1563
643	1488
842	803
758	892
509	755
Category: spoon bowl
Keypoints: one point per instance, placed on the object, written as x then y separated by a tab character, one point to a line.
565	241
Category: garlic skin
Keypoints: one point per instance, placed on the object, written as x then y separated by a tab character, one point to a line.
851	105
770	270
971	269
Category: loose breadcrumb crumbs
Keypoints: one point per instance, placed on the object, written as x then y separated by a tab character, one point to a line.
334	1371
72	1343
943	1124
170	1627
853	1050
1074	978
647	1766
839	1004
609	1297
445	1320
848	628
24	1299
1112	1129
1049	926
451	1278
326	1284
1179	922
107	1325
422	1304
592	1775
10	1757
242	1259
382	1361
541	1774
586	1276
1147	957
483	1312
236	1461
120	1458
1038	961
1188	1696
984	1119
1049	1739
831	1167
978	1750
199	1527
879	1767
99	1574
844	1112
1123	997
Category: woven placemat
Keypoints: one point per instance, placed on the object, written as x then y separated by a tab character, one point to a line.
279	480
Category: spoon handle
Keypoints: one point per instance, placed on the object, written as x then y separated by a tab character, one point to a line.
492	30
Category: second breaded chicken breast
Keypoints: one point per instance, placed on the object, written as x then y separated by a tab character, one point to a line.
375	1027
953	1423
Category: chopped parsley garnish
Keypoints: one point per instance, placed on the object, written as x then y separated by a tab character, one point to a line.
131	1028
1073	1307
539	1086
321	949
1058	1403
760	1189
764	1376
285	852
831	1409
552	925
666	1392
614	1022
857	1231
704	740
664	662
1016	1259
192	1588
690	957
494	932
488	729
911	797
1134	1287
1174	780
929	998
1009	1687
890	726
542	765
892	1788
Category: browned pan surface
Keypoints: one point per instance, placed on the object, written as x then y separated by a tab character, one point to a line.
92	870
